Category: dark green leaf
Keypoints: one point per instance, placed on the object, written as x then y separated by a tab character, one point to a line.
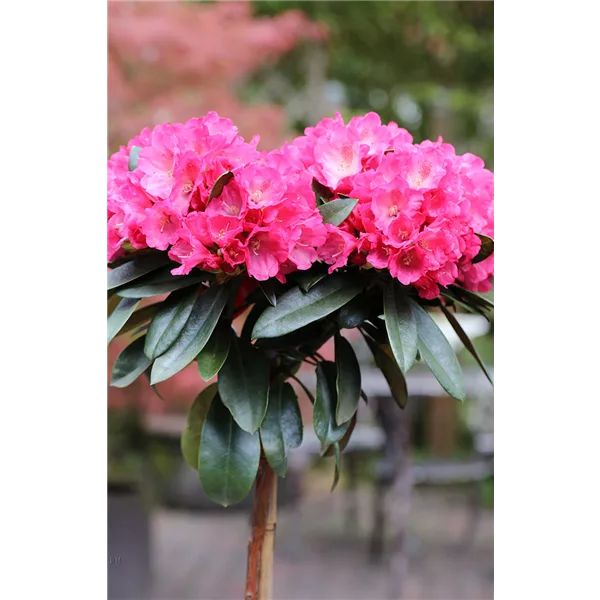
190	438
486	250
296	309
328	328
244	384
464	338
449	295
471	298
326	429
329	451
194	335
337	211
437	352
142	329
384	359
229	456
292	340
338	465
268	288
130	364
354	313
307	279
252	317
322	192
281	429
112	302
139	318
213	355
219	185
154	388
120	315
348	380
170	320
379	335
134	157
400	325
160	283
136	268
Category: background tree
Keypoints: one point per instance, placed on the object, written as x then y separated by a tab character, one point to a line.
170	61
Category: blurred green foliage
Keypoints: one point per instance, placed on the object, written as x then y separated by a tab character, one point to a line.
429	66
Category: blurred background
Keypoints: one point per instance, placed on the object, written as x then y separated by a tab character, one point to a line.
275	67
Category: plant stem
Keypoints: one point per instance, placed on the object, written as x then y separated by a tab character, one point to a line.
259	573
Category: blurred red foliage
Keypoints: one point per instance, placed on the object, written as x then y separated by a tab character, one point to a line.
170	61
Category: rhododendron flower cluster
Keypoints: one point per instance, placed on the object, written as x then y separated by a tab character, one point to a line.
265	218
388	226
419	207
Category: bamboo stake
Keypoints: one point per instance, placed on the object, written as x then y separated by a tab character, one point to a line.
259	573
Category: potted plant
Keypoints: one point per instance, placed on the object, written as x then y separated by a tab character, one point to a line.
349	226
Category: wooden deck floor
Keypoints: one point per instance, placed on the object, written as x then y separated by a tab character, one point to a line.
201	556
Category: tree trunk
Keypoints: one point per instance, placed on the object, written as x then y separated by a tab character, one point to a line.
259	573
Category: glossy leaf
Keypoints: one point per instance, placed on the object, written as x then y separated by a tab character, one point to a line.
160	283
252	317
295	309
134	157
321	191
139	318
337	211
354	313
282	428
468	307
294	339
228	458
437	352
344	441
219	185
464	338
190	438
328	329
326	428
169	321
384	359
213	355
130	364
471	298
348	380
119	316
378	334
244	384
308	279
486	250
400	325
112	302
136	268
194	335
268	289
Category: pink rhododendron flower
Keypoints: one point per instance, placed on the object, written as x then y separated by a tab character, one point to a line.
265	250
161	226
337	247
419	207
